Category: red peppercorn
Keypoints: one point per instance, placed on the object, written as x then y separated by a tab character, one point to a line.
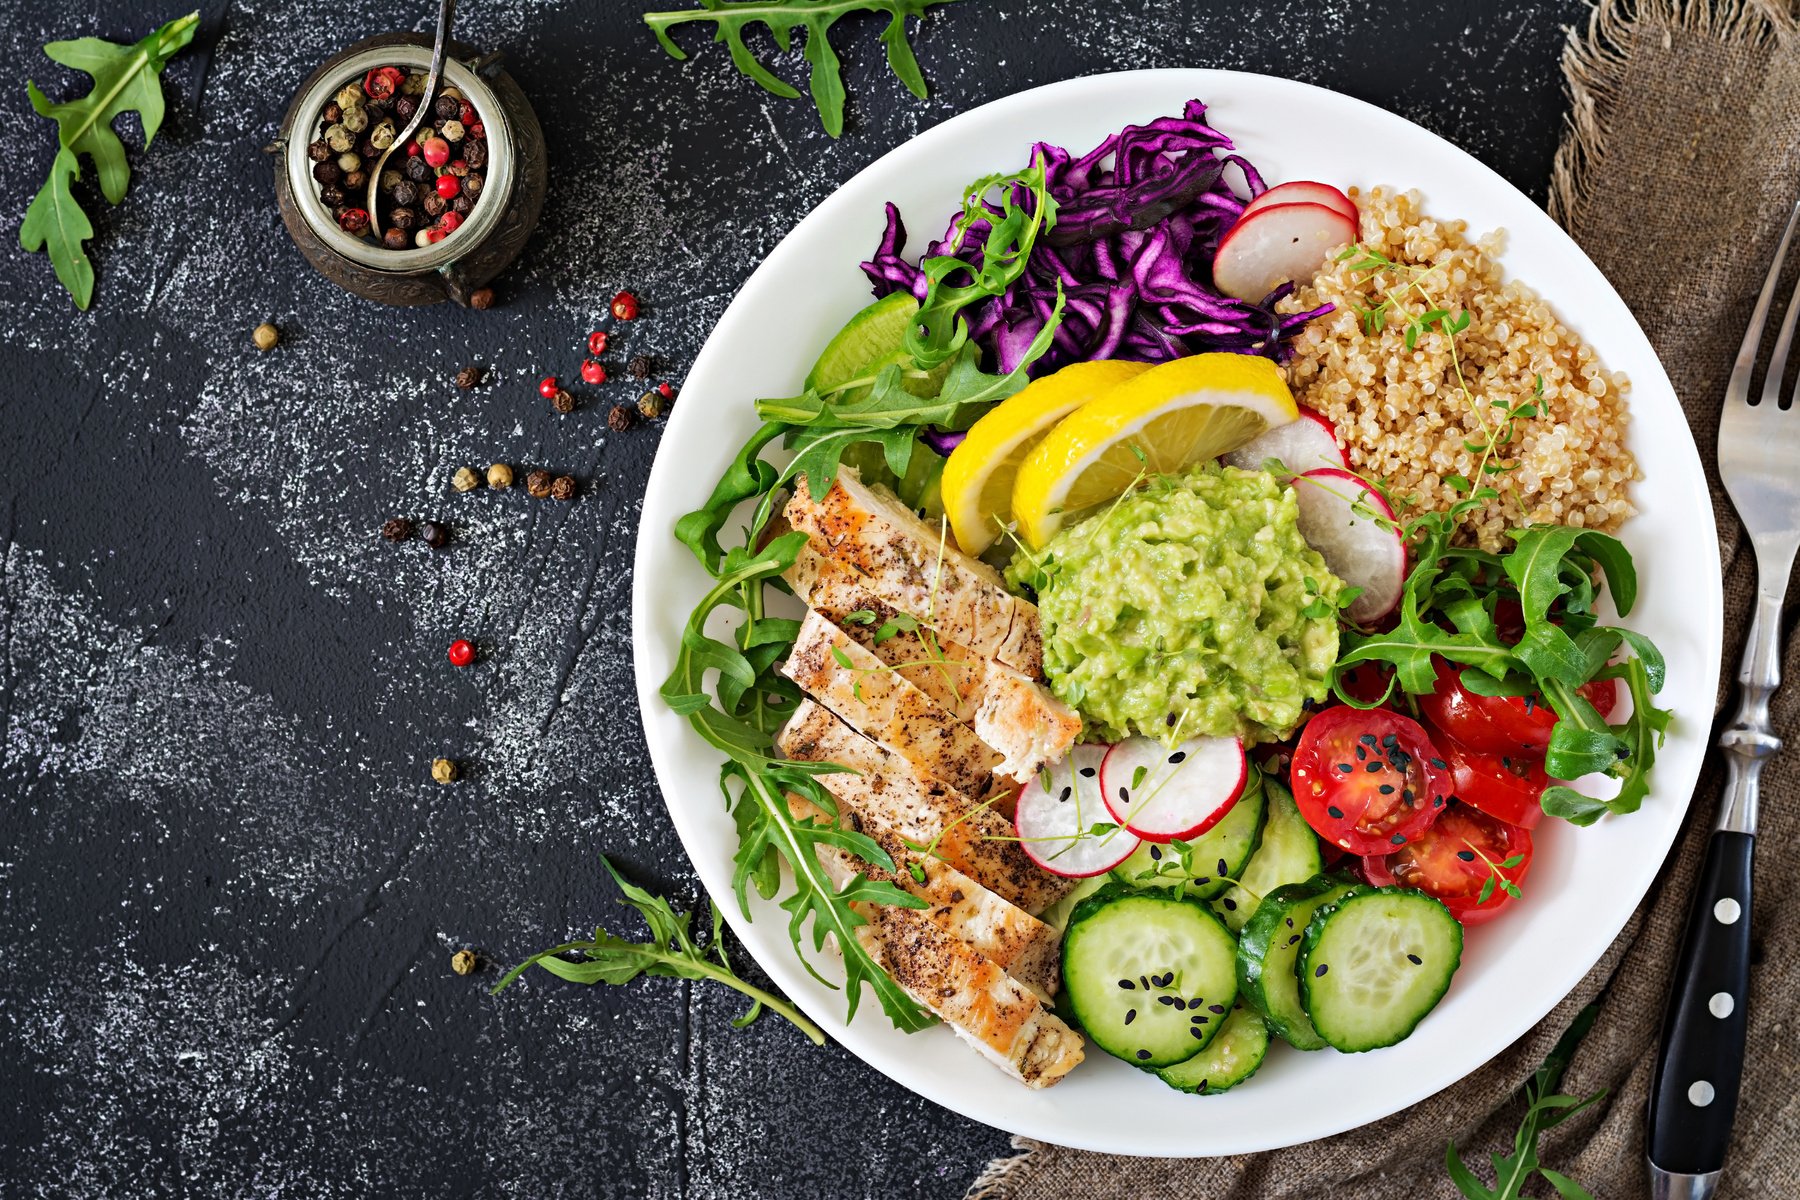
447	186
548	387
434	236
412	149
466	114
475	130
382	82
353	220
597	342
462	652
450	222
625	306
665	391
436	151
592	371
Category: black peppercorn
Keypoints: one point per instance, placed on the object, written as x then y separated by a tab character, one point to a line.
640	366
562	402
446	107
418	170
405	107
462	205
333	113
327	172
406	194
472	185
620	418
537	483
563	488
475	154
332	196
435	205
397	529
318	151
436	534
403	218
469	377
356	181
367	149
395	238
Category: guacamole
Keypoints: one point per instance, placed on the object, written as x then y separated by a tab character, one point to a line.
1183	609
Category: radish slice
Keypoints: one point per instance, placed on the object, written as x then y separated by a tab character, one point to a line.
1361	551
1273	245
1057	811
1303	191
1303	445
1162	794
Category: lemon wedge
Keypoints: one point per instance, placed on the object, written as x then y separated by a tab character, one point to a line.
1170	417
978	478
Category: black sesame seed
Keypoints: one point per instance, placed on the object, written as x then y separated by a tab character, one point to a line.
1440	764
1130	1015
1530	703
1414	959
1215	1008
1337	814
1176	758
1437	802
1466	855
1406	797
1165	999
1198	1033
1124	793
1155	853
1387	789
1224	867
1066	793
1197	1019
1293	939
1361	754
1128	985
1290	922
1374	767
1143	983
1399	839
1180	1004
1392	739
1087	772
1346	768
1368	739
1230	904
1322	968
1143	1054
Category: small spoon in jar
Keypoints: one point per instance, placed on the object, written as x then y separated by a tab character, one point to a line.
446	12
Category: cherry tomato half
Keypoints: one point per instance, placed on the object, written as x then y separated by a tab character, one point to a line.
1501	724
1504	786
1367	780
1453	861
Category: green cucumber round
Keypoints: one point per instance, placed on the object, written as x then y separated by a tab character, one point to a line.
1217	856
1373	965
1233	1057
1289	853
1270	946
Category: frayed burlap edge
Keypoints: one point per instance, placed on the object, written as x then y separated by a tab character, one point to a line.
1594	61
991	1183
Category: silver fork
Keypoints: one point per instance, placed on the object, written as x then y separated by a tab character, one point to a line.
1693	1095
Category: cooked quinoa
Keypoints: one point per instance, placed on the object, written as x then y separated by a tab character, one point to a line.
1401	413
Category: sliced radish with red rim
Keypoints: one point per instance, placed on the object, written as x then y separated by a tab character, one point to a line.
1302	445
1278	244
1355	532
1162	794
1303	191
1057	814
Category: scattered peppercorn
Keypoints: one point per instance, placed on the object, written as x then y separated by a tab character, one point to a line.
640	366
447	107
537	483
397	529
597	342
650	406
395	238
562	402
435	533
444	770
625	306
665	390
563	488
593	371
332	113
500	476
318	151
462	652
481	298
470	377
465	480
548	387
354	220
620	418
463	962
266	336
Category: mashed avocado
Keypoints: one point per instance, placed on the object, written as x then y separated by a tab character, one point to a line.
1189	596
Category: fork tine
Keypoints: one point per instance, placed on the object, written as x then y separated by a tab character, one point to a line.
1738	387
1784	341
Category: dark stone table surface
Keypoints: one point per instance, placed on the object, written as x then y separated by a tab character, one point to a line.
229	889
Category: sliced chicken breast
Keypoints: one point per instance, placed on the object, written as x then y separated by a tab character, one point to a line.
847	678
891	799
919	571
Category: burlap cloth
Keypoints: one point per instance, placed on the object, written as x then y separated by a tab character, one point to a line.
1681	161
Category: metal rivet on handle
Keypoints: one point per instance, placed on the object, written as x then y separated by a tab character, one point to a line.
1700	1093
1727	911
1721	1005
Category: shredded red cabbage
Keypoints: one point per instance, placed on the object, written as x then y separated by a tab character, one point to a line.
1138	220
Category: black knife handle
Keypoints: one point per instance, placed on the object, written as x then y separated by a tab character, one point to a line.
1694	1093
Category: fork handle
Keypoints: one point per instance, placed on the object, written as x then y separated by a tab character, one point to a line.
1693	1095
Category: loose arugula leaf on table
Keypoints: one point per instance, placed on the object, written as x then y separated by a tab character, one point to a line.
671	953
126	79
1544	1109
731	19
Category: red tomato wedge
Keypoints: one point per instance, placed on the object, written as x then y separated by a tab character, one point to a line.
1455	858
1501	724
1368	780
1504	786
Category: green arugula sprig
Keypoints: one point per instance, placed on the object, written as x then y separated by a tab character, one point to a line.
729	686
731	19
1544	1109
671	953
126	79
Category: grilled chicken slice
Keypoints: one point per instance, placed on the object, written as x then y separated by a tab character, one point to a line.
988	1008
919	571
845	677
892	800
1016	716
1008	936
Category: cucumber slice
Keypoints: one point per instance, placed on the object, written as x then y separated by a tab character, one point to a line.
1058	914
1289	853
1232	1058
1270	946
1372	966
1150	976
1222	850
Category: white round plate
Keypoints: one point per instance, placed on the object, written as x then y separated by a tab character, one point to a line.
1584	883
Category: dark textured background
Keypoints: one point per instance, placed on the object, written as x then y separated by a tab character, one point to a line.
230	890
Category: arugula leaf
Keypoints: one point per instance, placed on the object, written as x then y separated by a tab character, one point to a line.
126	79
670	953
731	19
